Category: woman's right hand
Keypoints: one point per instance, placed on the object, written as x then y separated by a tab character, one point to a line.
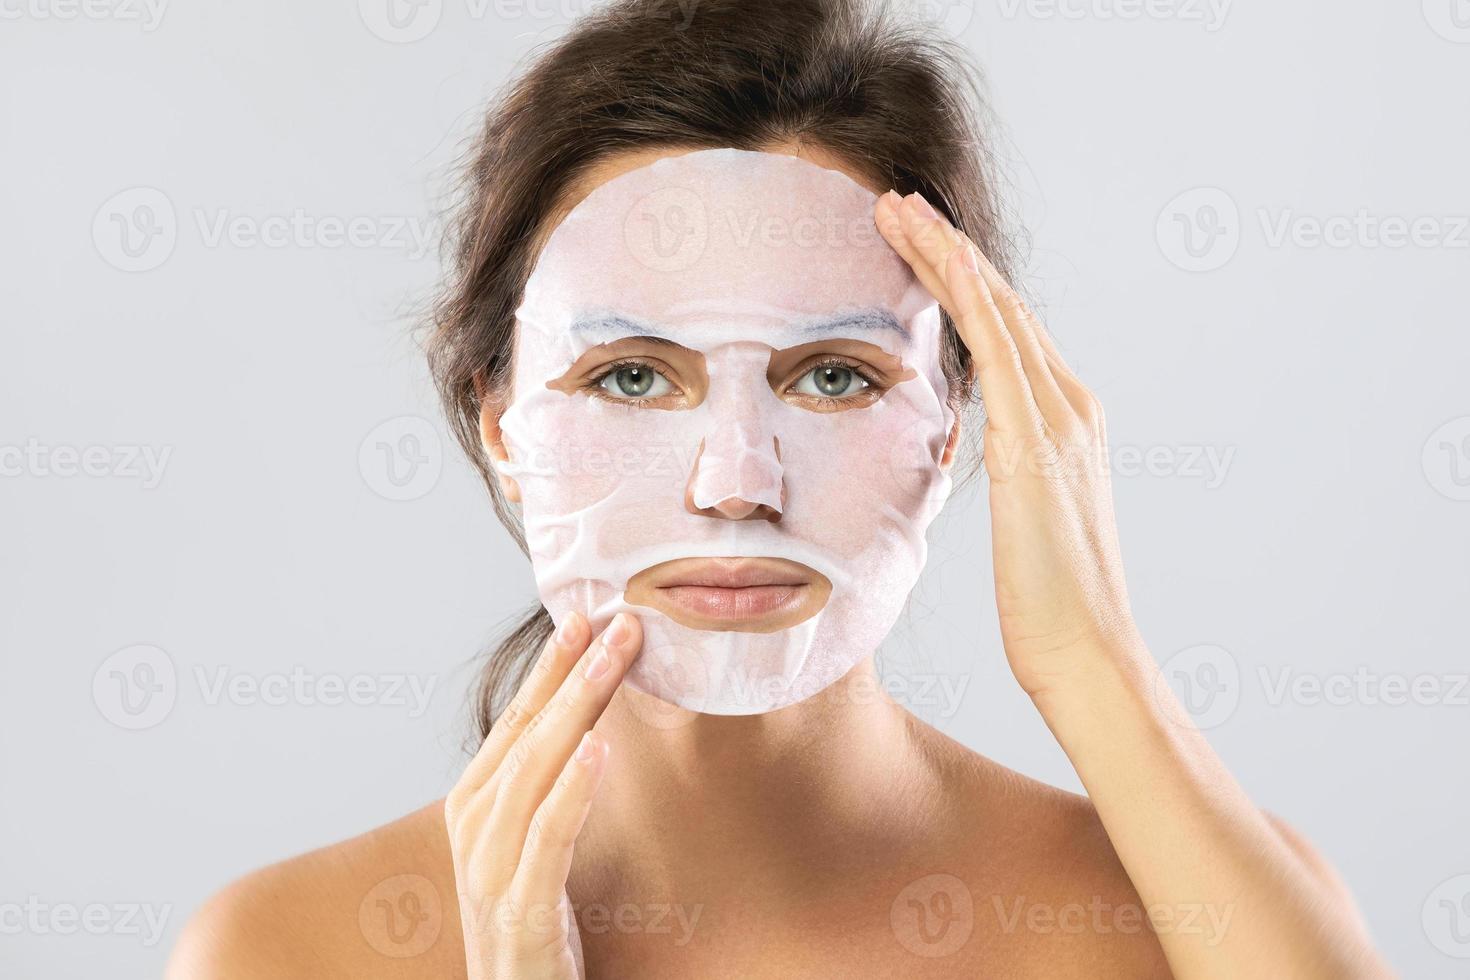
515	813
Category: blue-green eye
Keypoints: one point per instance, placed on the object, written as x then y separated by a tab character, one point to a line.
635	381
830	381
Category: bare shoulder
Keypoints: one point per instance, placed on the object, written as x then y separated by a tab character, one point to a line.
380	904
1049	894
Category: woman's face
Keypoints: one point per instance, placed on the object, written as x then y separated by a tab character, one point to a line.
728	417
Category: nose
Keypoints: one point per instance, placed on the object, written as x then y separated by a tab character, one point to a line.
737	473
737	477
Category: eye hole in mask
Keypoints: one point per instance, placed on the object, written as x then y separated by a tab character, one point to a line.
827	376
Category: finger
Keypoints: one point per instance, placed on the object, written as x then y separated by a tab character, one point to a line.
889	219
1080	397
541	877
531	766
1029	334
936	241
555	661
1004	391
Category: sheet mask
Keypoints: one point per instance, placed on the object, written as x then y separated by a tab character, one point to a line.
732	254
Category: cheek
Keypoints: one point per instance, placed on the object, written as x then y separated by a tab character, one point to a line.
592	449
857	479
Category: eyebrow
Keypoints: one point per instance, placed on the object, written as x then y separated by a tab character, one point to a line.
860	321
600	328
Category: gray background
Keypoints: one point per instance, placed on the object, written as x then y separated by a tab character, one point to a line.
1332	547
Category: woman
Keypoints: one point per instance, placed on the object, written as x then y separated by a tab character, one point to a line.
810	826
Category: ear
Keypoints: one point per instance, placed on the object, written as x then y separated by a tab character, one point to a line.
951	445
490	438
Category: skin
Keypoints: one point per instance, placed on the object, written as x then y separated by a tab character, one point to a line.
801	842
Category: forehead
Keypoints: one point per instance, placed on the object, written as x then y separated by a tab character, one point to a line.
723	239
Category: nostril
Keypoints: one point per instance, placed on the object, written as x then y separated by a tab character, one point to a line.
735	509
735	480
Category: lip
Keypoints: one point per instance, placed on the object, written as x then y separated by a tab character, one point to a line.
751	595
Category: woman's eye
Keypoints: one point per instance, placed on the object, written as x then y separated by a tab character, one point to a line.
635	381
830	381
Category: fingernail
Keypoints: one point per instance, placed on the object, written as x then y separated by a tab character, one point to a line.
923	206
584	748
599	665
893	197
970	261
567	631
618	631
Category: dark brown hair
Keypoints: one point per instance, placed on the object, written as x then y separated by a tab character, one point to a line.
893	100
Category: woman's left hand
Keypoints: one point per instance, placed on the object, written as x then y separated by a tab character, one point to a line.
1059	583
1072	644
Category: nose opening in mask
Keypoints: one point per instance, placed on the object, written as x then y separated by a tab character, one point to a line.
737	476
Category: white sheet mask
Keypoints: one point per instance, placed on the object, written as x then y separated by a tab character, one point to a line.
734	255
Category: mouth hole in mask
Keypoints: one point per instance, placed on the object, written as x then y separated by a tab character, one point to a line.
743	595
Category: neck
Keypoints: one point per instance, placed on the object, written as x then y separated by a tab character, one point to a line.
690	797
